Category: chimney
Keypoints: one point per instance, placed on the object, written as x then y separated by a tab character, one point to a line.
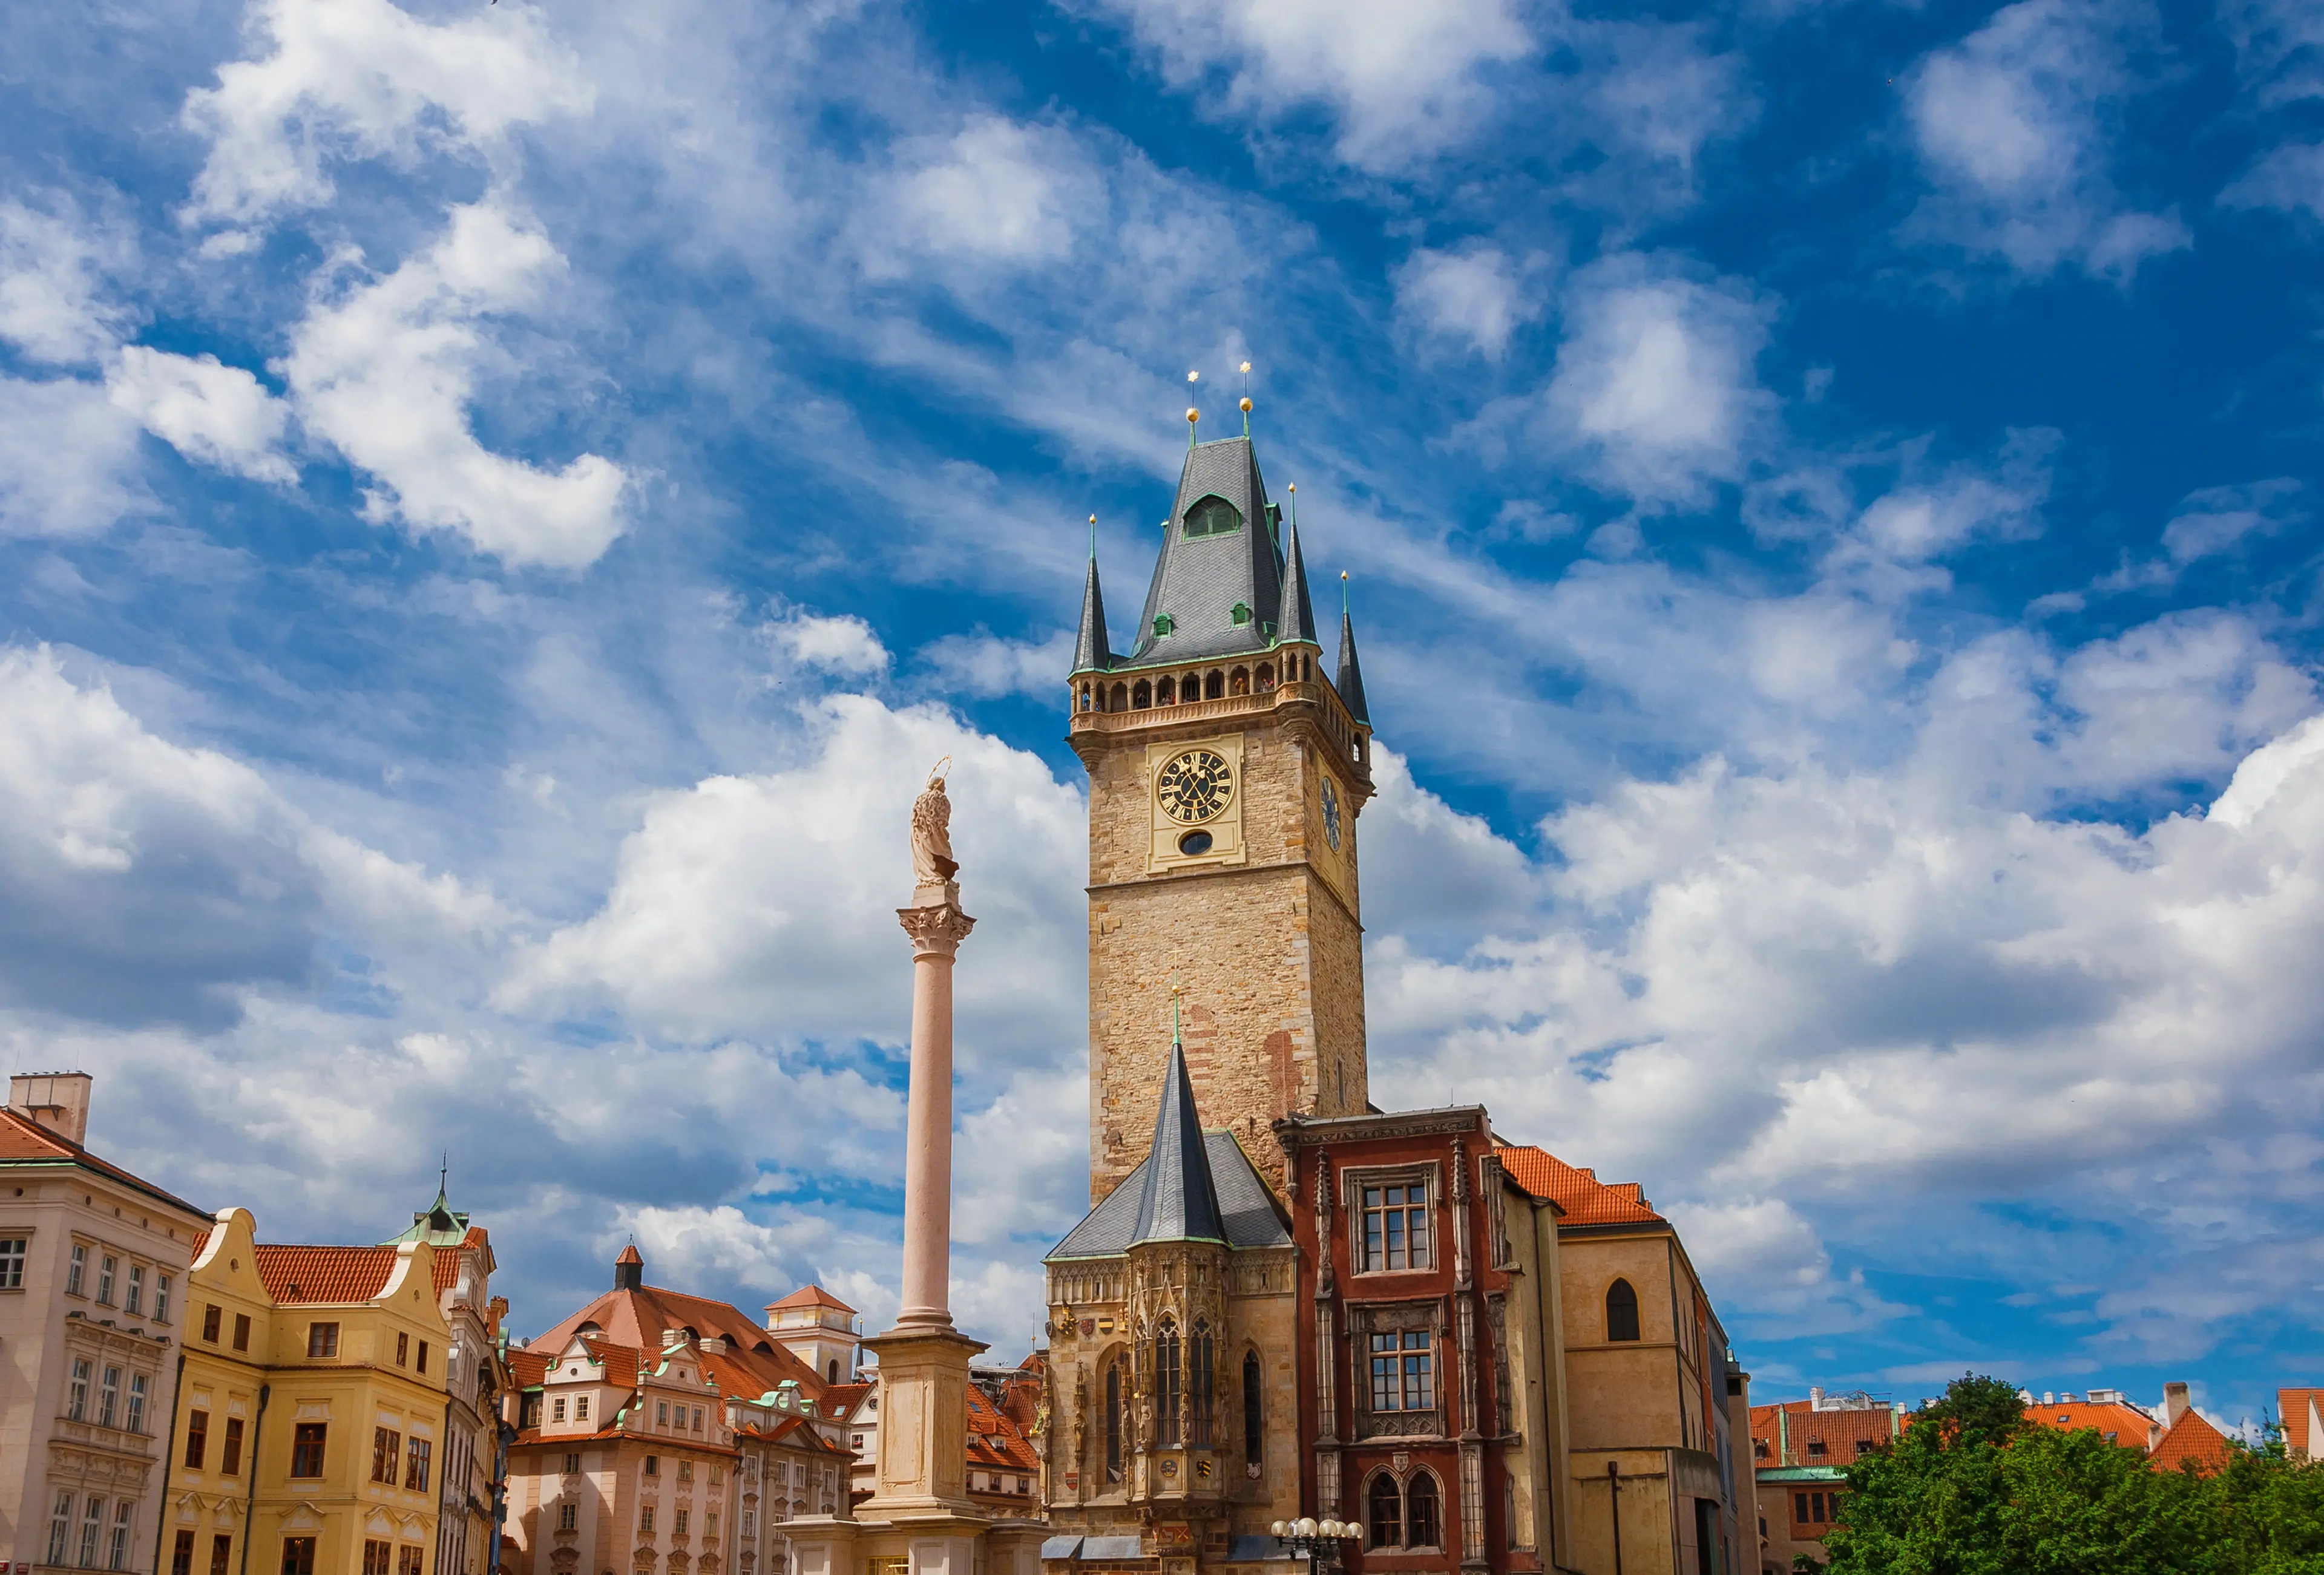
2174	1404
56	1100
630	1270
1815	1398
714	1344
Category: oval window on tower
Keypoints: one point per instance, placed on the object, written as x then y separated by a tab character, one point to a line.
1194	844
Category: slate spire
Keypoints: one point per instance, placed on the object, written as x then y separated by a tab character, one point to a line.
1218	582
1295	623
1180	1200
1091	653
1351	681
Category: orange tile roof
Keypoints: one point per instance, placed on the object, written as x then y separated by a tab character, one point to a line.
1586	1200
810	1296
2292	1405
323	1275
528	1368
2192	1442
840	1400
24	1141
637	1318
2125	1423
993	1440
1844	1434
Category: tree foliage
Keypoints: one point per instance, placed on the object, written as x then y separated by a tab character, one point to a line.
1973	1488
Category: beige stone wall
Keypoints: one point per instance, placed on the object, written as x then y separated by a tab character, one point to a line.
1267	952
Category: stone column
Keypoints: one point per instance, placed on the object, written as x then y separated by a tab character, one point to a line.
937	928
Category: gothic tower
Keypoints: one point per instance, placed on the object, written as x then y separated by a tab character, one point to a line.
1226	774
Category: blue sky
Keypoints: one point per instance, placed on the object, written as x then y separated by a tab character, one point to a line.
499	503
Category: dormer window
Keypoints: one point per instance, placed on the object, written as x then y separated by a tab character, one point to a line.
1241	613
1163	624
1212	516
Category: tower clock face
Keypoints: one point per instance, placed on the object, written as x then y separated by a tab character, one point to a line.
1196	787
1331	796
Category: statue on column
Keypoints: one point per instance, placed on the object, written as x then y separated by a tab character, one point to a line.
932	860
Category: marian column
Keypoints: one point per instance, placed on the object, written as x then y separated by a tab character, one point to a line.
937	927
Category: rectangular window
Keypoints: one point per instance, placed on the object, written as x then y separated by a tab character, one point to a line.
581	1408
297	1556
136	1422
1800	1508
322	1341
306	1449
750	1523
556	1409
77	1392
376	1556
134	1301
92	1528
212	1313
403	1346
107	1268
386	1449
181	1555
697	1419
686	1471
415	1465
661	1413
569	1518
61	1527
710	1525
197	1438
572	1465
677	1527
408	1562
645	1520
221	1554
421	1366
118	1556
1402	1379
1396	1227
717	1475
653	1465
1816	1499
242	1331
12	1263
162	1299
76	1270
230	1456
108	1397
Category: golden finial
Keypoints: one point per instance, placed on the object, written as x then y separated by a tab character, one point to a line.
1246	404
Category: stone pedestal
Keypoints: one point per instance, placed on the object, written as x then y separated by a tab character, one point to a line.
923	1467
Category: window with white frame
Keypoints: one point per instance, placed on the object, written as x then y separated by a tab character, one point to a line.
12	1263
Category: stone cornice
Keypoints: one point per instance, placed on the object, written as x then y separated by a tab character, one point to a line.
936	932
1309	1131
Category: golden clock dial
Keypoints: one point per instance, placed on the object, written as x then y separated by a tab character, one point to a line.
1196	787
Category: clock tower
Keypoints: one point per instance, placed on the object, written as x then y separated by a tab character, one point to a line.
1227	770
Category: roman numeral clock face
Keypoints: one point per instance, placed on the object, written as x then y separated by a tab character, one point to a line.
1194	787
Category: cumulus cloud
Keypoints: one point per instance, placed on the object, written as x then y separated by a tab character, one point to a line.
2013	128
58	300
1472	294
365	78
67	458
1405	82
845	644
384	372
219	415
989	668
995	190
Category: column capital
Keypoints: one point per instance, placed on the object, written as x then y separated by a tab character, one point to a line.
936	931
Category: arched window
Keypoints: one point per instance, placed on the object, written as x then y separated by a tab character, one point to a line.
1622	1310
1213	685
1212	516
1265	676
1254	1408
1240	682
1199	1386
1114	1423
1120	699
1140	696
1166	691
1167	1391
835	1370
1383	1513
1085	697
1422	1521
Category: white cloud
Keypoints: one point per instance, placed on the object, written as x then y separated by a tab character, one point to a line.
67	458
2289	176
385	372
995	190
219	415
1473	294
843	644
2214	518
2012	126
57	300
365	78
1405	81
988	668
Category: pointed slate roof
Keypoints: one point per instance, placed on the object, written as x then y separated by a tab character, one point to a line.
1296	620
1092	652
1179	1200
1199	580
1350	682
1252	1216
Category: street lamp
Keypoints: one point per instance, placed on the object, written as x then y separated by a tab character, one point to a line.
1315	1540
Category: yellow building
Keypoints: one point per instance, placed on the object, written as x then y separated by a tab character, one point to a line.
310	1416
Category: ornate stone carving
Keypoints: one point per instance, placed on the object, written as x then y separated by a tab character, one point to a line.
932	860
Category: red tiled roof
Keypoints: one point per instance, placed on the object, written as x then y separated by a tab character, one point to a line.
1586	1200
637	1318
25	1141
810	1296
1844	1434
2293	1407
840	1400
993	1440
2192	1442
329	1276
2125	1424
528	1368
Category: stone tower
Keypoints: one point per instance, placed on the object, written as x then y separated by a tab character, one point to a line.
1226	774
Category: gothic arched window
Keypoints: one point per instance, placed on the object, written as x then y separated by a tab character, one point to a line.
1140	696
1254	1404
1114	1423
1167	1390
1422	1520
1199	1404
1622	1310
1213	516
1166	691
1383	1513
